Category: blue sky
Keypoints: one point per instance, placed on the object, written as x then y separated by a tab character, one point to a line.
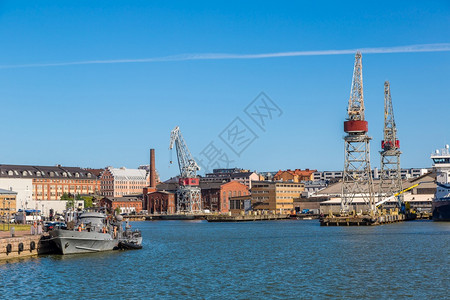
95	115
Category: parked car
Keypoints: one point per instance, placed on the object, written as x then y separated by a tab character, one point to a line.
54	225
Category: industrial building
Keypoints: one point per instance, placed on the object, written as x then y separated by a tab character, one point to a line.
275	196
125	205
336	175
160	202
420	198
245	177
216	195
240	204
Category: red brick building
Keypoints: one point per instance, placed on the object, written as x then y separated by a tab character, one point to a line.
216	195
125	204
160	202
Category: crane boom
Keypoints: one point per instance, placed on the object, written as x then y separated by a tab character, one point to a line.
356	101
186	162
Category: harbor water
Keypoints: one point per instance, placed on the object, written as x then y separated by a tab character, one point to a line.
255	260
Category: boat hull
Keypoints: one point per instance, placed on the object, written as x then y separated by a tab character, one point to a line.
74	242
441	210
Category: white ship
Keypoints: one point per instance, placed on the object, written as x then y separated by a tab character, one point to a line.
441	201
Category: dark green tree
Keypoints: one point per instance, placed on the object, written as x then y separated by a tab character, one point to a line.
88	202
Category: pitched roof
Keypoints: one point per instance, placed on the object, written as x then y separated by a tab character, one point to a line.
128	174
123	199
242	174
298	172
426	182
7	192
57	172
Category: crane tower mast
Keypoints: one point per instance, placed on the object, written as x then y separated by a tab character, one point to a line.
188	193
390	179
357	178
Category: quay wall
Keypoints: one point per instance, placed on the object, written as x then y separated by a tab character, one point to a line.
19	246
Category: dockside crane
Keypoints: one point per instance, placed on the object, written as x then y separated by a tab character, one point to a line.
390	178
357	178
188	193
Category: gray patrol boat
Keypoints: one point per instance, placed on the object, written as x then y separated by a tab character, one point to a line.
95	232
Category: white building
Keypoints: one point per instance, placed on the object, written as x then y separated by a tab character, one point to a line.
24	189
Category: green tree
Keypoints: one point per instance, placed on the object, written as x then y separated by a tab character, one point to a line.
117	210
70	201
88	202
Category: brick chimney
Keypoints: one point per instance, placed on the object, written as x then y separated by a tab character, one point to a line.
152	169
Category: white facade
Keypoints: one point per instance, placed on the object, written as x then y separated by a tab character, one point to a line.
58	206
24	189
24	198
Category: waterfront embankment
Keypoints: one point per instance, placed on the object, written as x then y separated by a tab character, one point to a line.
22	244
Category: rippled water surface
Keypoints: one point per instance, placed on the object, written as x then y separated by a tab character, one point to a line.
278	259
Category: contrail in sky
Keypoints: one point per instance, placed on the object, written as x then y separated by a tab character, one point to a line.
222	56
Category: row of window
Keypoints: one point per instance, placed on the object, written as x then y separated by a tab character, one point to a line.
51	173
65	180
290	192
291	185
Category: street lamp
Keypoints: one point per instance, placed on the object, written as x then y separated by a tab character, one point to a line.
3	214
9	213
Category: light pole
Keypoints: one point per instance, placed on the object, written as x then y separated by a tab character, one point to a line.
3	214
9	213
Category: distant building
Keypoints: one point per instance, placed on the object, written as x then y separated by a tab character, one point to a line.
296	175
312	187
24	189
243	176
216	195
275	196
96	172
406	173
41	187
267	176
117	182
7	202
160	202
420	198
50	183
147	169
125	204
240	204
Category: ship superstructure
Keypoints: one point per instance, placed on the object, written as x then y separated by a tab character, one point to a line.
441	201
